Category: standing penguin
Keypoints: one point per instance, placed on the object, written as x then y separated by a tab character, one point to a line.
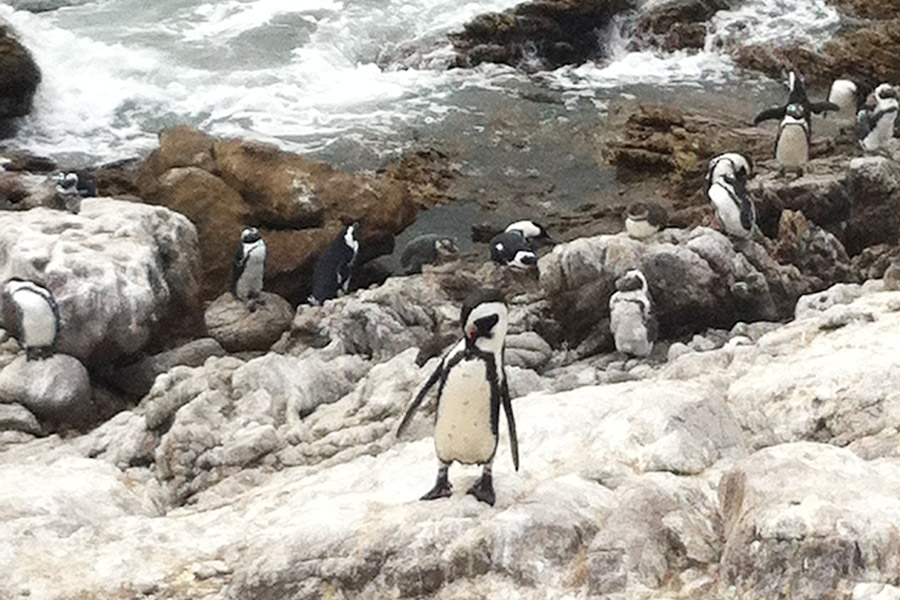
36	316
845	95
426	249
734	209
535	233
334	267
631	319
513	250
644	219
471	388
875	125
249	267
67	192
792	145
797	95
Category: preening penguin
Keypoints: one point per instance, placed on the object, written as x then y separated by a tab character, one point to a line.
426	249
335	266
792	144
875	125
643	219
471	389
734	209
36	316
512	249
535	233
631	319
249	267
729	164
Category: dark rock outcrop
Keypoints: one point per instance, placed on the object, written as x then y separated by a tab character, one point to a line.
677	24
544	34
19	76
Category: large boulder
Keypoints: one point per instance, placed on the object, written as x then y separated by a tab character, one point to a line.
57	389
232	324
124	274
19	76
300	205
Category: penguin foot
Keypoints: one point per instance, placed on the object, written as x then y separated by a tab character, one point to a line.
483	489
441	489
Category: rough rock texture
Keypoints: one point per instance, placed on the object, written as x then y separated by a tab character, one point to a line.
15	417
57	389
537	35
299	204
236	328
677	24
118	270
19	76
137	378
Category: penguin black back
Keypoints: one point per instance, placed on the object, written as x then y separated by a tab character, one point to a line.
335	265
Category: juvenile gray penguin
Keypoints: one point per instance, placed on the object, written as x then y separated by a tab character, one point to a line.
248	268
471	389
644	219
427	249
36	317
631	319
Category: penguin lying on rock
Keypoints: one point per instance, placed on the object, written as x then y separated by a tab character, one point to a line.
535	233
472	387
427	249
36	316
249	268
512	249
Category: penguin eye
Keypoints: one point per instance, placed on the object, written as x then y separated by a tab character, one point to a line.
485	324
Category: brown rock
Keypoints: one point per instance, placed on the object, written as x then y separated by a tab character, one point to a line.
231	323
292	257
19	76
811	249
677	24
184	146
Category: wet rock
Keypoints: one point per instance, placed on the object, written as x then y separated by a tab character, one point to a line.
15	417
56	389
230	322
124	274
137	379
19	76
677	24
298	204
798	506
537	35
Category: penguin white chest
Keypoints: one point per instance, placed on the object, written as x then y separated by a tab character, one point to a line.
38	323
462	431
639	229
629	328
727	211
792	150
882	133
250	283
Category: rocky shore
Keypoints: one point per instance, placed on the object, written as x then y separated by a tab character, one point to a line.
179	446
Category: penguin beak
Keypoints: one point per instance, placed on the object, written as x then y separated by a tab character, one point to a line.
472	333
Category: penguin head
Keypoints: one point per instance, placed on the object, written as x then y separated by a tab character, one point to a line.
534	232
632	281
485	320
795	111
638	211
885	91
68	181
351	235
445	246
250	235
524	260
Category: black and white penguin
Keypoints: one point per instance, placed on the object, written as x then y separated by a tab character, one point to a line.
734	209
513	249
797	95
471	389
535	233
249	267
644	219
67	192
875	125
631	319
427	249
731	164
792	144
845	95
36	316
334	267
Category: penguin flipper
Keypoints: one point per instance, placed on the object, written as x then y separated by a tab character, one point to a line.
819	107
776	112
237	265
863	126
510	422
417	401
746	213
57	320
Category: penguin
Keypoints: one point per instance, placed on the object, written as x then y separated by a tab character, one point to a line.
631	319
729	163
249	267
797	95
734	209
426	249
792	144
472	386
331	275
67	192
37	317
513	249
535	233
644	219
875	125
845	95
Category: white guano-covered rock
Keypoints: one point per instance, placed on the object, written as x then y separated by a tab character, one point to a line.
56	389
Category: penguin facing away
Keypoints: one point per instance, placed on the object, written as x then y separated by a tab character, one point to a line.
512	249
792	144
535	233
644	219
334	266
472	387
248	268
845	95
424	250
36	317
733	207
631	321
875	125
